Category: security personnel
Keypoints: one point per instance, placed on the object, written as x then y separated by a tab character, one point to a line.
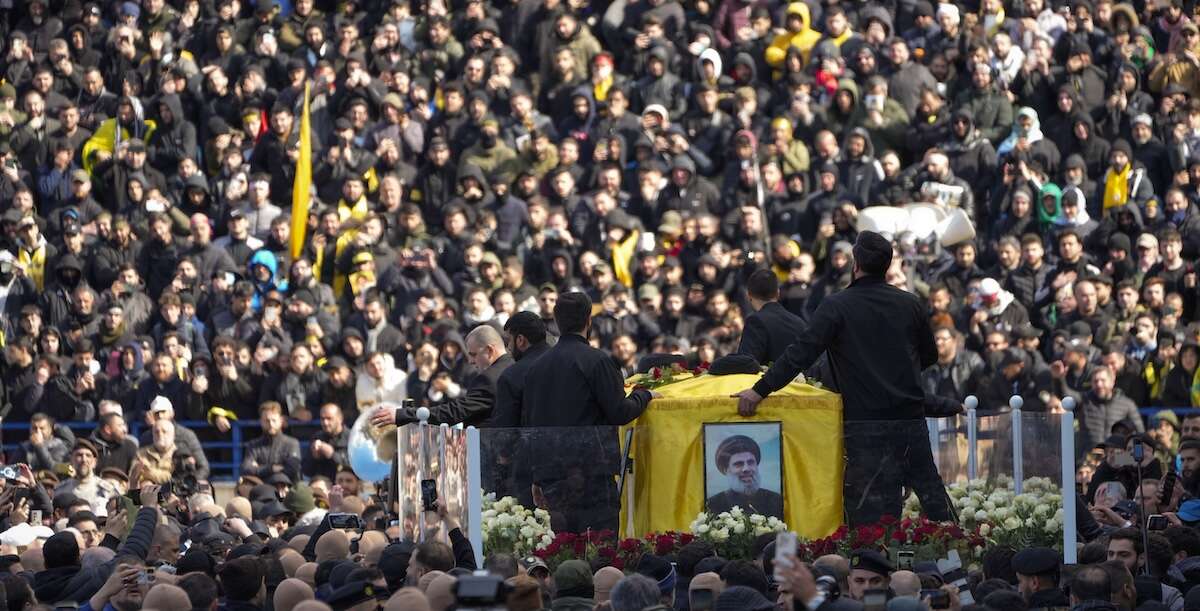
527	342
771	328
869	570
1037	578
878	339
578	386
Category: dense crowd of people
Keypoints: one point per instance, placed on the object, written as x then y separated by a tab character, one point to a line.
612	184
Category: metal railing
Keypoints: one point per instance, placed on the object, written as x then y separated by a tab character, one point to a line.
15	433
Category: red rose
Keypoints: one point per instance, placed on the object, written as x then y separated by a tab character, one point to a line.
657	373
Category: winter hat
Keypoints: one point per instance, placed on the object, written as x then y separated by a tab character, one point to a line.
307	573
1122	145
426	579
291	560
604	580
741	598
440	592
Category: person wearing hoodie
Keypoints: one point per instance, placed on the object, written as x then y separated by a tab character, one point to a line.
972	156
688	192
799	35
57	299
658	86
174	138
1125	180
731	23
1027	141
128	124
991	109
263	272
65	579
859	170
490	153
126	373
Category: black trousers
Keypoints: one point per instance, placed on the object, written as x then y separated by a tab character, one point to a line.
884	457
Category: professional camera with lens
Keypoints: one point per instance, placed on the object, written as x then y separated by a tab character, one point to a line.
829	587
184	479
481	591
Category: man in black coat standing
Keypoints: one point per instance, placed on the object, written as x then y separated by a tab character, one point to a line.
771	328
485	350
527	342
577	386
878	339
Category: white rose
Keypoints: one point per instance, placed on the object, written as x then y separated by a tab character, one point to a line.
1012	524
527	532
720	535
985	529
981	515
758	519
701	529
739	528
736	511
1051	526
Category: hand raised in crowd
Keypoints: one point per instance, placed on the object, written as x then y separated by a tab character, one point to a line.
117	524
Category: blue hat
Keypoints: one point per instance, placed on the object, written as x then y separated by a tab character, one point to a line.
130	9
1189	511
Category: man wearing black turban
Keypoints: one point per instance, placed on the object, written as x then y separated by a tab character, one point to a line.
738	458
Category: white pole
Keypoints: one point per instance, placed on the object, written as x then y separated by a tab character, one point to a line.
475	494
1016	403
972	403
422	431
1068	480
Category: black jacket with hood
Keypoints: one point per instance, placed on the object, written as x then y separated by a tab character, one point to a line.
76	583
172	140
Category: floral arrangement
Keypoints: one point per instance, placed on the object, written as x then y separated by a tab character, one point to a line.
1003	517
508	527
661	376
602	548
732	533
927	539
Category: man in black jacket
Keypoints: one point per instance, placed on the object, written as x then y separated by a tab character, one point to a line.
771	328
527	335
887	443
578	385
485	350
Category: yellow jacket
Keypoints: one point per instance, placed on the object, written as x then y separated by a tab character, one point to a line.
105	139
804	40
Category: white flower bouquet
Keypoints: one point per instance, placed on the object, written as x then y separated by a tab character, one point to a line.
1032	518
511	528
732	533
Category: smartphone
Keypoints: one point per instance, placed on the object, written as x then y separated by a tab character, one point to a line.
146	577
1168	486
345	520
701	599
22	494
35	517
429	495
875	599
165	492
785	550
1157	522
938	599
904	559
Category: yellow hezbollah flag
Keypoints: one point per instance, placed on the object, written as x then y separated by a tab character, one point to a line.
302	186
668	450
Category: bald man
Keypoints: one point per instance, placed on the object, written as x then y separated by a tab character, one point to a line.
486	353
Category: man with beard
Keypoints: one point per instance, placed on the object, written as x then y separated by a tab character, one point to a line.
86	483
1102	407
738	459
486	352
274	451
528	342
297	387
490	152
327	454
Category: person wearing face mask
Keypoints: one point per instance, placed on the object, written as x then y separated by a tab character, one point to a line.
490	152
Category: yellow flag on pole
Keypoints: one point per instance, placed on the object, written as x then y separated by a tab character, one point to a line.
302	186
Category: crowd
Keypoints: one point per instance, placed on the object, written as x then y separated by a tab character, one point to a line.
602	182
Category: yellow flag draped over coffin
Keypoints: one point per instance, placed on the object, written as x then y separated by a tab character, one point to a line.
668	452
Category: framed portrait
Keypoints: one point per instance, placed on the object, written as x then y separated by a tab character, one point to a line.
743	467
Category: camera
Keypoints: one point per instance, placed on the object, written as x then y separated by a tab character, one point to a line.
345	521
480	591
828	586
8	472
184	482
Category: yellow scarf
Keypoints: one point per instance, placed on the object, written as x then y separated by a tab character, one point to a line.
600	90
34	264
622	257
1116	187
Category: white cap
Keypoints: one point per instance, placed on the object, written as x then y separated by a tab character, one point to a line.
161	404
989	287
20	535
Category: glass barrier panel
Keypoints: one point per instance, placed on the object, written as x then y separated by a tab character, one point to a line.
571	472
948	439
434	455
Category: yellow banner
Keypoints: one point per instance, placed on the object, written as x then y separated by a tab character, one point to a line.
302	185
669	452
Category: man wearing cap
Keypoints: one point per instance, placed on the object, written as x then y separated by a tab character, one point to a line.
738	459
1037	578
887	442
85	483
869	570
